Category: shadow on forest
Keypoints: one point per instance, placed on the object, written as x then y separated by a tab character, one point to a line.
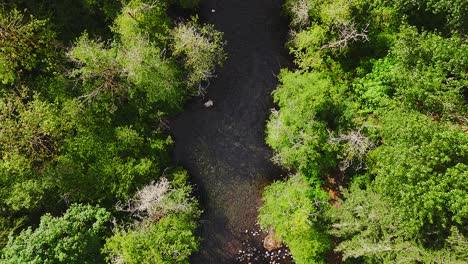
71	18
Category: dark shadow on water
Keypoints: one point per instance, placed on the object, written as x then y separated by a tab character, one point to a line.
223	147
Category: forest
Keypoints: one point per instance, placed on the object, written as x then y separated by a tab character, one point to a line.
370	125
85	170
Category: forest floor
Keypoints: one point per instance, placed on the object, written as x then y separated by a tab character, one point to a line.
223	146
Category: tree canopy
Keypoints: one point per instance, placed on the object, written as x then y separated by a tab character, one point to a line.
83	114
73	238
375	114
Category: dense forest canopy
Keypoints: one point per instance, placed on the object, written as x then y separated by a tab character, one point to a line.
374	123
85	170
371	123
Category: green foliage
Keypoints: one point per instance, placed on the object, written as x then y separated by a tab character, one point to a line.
381	89
30	136
418	172
76	237
76	152
93	133
305	46
440	14
434	82
420	168
170	240
374	231
141	17
105	167
293	210
165	231
371	228
310	106
202	50
90	134
26	46
327	32
132	68
353	31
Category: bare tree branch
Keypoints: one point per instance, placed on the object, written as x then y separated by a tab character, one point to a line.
347	33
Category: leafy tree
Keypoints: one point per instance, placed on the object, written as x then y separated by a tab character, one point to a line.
132	68
26	46
108	167
147	18
51	150
202	47
294	210
170	240
435	81
414	209
30	137
327	32
165	228
440	14
372	230
310	106
76	237
421	168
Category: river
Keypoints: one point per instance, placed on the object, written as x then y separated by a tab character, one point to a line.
223	147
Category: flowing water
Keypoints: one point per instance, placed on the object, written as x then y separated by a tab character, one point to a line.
223	147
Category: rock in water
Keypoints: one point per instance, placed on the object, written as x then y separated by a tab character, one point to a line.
208	104
270	243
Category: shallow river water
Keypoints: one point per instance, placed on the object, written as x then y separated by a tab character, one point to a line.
223	147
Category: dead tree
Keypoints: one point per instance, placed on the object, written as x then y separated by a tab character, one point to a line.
347	33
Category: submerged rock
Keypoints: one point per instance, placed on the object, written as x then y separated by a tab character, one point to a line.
209	103
270	243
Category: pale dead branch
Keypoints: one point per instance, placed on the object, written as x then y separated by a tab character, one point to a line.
347	33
